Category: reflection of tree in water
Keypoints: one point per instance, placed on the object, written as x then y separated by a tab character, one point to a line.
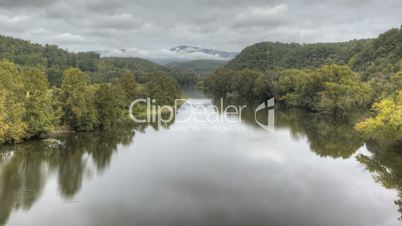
22	177
336	138
385	164
24	168
21	183
328	136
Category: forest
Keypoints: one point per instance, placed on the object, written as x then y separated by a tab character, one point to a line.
328	78
198	67
45	89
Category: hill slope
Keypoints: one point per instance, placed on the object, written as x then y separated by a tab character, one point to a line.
55	60
269	55
379	56
198	67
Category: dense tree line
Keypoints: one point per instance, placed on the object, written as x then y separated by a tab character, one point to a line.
198	67
45	88
30	107
190	73
270	55
331	89
184	78
26	103
381	57
330	78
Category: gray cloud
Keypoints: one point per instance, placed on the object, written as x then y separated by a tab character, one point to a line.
152	26
14	23
262	16
24	3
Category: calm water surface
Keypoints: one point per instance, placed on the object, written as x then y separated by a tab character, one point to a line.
310	171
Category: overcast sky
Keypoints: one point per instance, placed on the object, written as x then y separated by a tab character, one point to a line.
150	25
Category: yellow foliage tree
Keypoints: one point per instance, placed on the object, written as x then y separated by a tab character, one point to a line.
386	126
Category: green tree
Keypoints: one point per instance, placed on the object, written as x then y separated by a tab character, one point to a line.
129	86
78	101
40	115
220	82
12	102
163	89
3	115
263	87
396	81
110	105
342	92
298	88
243	82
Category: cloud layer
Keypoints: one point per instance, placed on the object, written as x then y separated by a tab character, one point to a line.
161	54
150	27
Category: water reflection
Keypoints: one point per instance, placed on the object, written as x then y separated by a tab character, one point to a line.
21	182
333	137
225	178
385	164
25	168
328	136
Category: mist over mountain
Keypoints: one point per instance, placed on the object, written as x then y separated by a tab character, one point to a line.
181	53
222	55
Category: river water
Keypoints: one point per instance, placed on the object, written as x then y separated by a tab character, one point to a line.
311	170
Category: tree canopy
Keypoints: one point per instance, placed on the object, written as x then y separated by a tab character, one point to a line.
329	78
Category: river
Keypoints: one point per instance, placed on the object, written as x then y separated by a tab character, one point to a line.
311	170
